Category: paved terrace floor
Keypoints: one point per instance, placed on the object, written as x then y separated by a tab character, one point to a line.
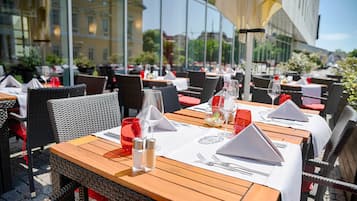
43	178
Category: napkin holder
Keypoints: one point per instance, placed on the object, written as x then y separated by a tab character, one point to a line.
252	143
289	111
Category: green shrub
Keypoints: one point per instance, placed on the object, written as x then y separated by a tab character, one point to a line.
348	70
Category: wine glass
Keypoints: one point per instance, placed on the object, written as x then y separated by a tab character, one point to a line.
152	98
46	72
227	108
233	88
273	90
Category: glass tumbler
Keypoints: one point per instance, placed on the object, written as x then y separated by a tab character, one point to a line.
242	119
130	129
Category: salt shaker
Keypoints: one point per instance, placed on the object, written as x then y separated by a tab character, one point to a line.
138	155
150	154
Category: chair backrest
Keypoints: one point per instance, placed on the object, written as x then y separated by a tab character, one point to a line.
209	87
340	134
294	92
325	81
95	84
197	78
240	77
76	117
108	71
130	91
39	130
259	92
182	74
170	98
334	98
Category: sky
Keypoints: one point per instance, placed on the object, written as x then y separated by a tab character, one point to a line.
338	25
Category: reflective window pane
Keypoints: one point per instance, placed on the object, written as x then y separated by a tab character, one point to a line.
196	36
174	32
212	51
227	39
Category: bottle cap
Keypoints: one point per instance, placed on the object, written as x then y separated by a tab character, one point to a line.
138	143
150	143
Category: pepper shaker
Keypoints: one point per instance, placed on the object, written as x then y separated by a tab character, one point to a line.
150	154
138	155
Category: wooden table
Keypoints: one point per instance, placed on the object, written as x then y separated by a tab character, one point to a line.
6	102
94	162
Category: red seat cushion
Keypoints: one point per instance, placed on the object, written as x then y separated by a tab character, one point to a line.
189	101
317	106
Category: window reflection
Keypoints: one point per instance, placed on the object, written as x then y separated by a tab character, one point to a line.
174	33
212	50
196	37
227	39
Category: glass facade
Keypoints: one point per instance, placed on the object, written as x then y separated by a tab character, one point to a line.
185	34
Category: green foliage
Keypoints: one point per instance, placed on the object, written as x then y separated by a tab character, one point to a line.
18	78
83	61
298	62
151	41
115	59
348	70
31	59
146	58
53	59
353	53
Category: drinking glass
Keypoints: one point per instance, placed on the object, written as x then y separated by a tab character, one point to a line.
233	88
242	119
55	82
227	108
152	98
46	73
274	90
130	129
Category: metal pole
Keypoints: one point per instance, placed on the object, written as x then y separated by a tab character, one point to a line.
161	38
70	42
205	37
248	68
233	41
186	45
126	36
220	41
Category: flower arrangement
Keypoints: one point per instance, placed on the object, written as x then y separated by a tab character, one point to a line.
299	62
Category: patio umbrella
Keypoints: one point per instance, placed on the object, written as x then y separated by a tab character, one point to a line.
250	16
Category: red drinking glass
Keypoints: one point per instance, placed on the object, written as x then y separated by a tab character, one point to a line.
216	101
142	74
309	80
55	82
242	119
130	129
174	72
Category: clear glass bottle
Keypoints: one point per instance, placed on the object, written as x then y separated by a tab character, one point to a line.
138	155
150	154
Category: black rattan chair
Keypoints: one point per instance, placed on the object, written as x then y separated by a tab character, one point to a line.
170	98
39	131
259	91
197	78
130	92
345	127
95	84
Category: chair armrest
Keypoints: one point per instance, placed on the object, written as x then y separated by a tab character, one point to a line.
337	184
315	97
197	89
317	163
17	117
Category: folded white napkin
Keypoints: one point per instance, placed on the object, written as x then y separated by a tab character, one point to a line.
33	84
10	81
290	111
252	143
169	76
151	113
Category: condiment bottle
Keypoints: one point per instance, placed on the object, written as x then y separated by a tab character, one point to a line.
138	155
150	154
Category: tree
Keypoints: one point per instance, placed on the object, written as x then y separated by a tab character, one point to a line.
151	41
353	53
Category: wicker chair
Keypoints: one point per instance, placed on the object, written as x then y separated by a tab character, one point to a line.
197	78
345	127
130	92
39	131
259	92
76	117
95	84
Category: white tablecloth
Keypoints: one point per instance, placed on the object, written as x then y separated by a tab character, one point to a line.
180	83
183	145
311	90
320	131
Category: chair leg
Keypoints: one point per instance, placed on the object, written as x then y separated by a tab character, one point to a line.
30	172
